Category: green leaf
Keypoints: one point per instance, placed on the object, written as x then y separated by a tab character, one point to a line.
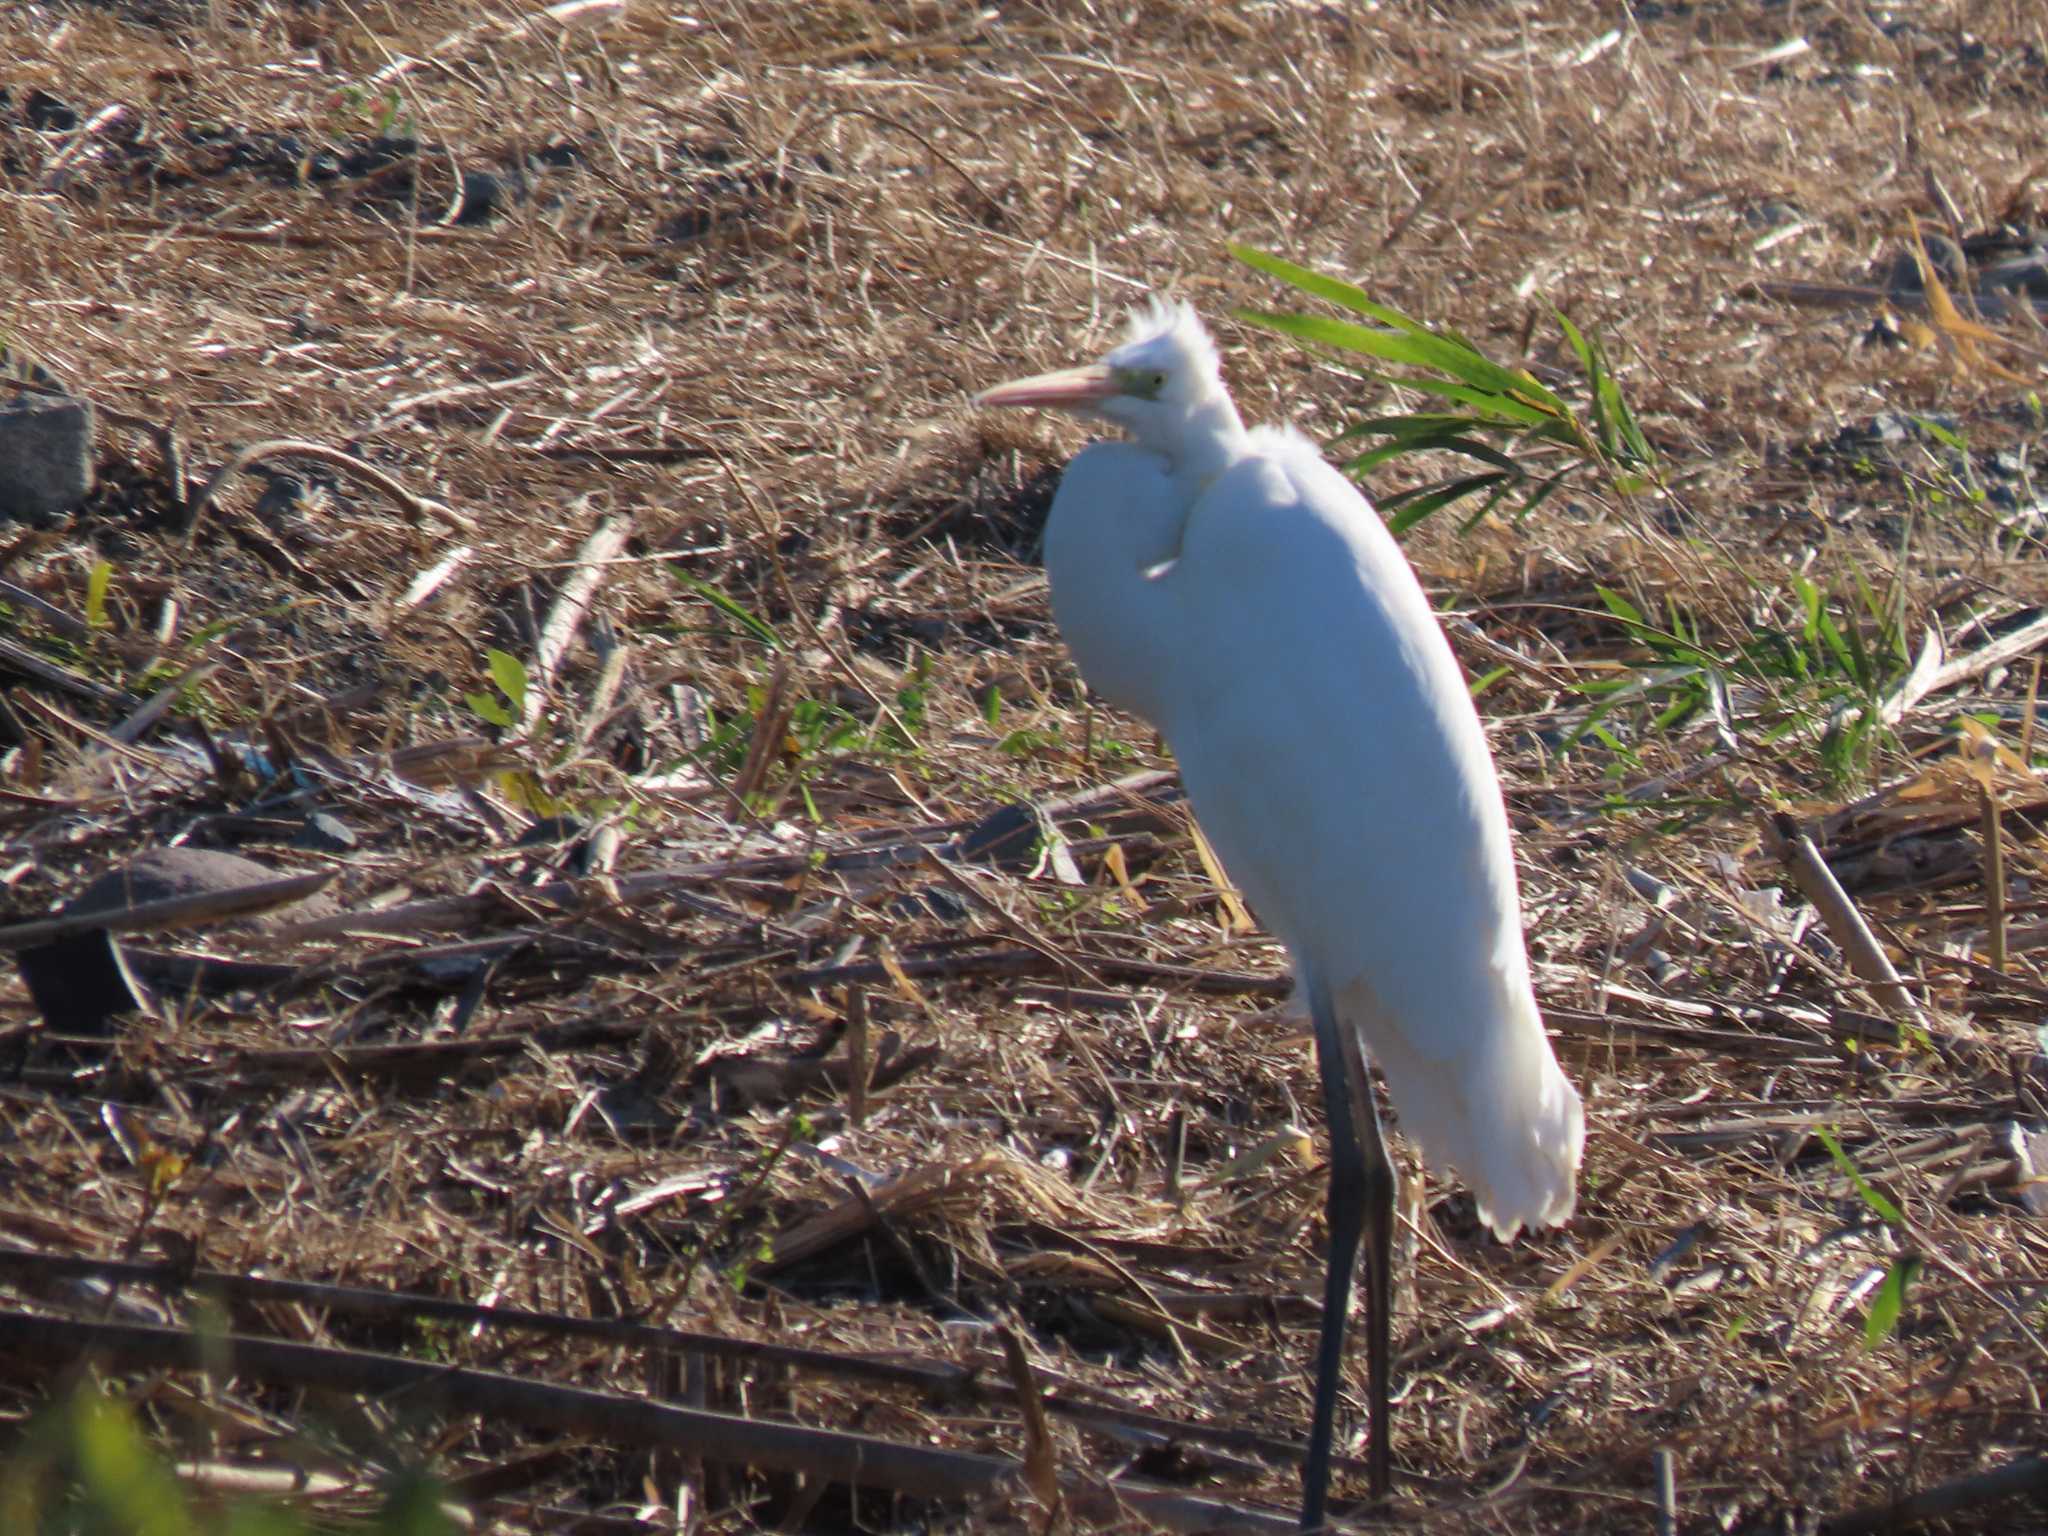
1885	1209
1321	286
1414	506
96	583
121	1476
413	1506
1545	491
1499	411
1397	447
1418	349
522	790
1620	606
489	709
1615	426
1486	680
1417	424
1486	507
1941	434
1889	1303
264	1520
509	673
1577	341
1507	409
1348	296
731	609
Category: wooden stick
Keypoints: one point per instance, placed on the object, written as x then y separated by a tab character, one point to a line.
414	507
1667	1491
566	616
1994	870
173	912
944	1378
2027	1477
60	1343
1795	850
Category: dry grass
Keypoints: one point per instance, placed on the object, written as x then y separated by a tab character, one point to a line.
750	261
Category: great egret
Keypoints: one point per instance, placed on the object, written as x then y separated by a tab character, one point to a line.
1236	591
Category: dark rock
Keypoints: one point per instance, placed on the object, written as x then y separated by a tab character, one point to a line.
1943	254
1008	837
484	197
378	154
933	901
1771	215
81	983
164	874
49	113
45	454
2025	273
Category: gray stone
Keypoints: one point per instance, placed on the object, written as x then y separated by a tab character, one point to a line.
45	454
164	874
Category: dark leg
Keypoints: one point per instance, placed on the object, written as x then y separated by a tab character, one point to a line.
1361	1205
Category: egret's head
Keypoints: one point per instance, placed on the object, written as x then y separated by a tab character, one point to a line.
1162	383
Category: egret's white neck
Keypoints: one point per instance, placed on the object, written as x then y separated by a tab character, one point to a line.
1198	443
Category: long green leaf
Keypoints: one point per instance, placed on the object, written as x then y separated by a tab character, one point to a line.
1886	1211
1577	341
1507	408
1322	286
1620	607
1415	506
1889	1304
1545	491
735	611
1336	290
1415	349
97	581
1471	448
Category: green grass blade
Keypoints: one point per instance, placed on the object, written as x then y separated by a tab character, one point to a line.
1336	291
1469	447
1889	1304
1408	423
1576	340
509	673
1423	349
1621	607
1940	433
1414	506
735	611
1544	492
1487	508
1886	1211
1506	408
97	582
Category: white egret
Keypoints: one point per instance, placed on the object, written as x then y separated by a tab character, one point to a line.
1236	591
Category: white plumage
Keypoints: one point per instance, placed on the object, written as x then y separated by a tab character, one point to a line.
1235	590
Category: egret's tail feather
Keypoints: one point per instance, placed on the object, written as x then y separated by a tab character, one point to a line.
1510	1125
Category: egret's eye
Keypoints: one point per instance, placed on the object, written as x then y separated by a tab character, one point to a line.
1141	383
